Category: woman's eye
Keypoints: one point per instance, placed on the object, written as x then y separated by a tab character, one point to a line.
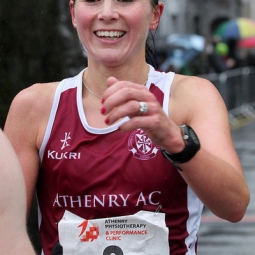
121	1
92	1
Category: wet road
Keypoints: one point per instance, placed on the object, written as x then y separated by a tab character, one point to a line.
218	237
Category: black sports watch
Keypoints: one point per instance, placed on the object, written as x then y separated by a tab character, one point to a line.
192	146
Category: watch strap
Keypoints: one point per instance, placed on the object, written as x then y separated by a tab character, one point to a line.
192	146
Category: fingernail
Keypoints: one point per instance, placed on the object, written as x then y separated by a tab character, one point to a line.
103	110
102	101
107	121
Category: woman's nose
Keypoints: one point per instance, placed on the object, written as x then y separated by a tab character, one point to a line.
108	10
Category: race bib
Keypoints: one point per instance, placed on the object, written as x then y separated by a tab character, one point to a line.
142	233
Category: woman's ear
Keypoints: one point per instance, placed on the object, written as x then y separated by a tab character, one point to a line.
71	6
157	13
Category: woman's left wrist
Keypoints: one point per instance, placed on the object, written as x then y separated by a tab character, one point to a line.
192	146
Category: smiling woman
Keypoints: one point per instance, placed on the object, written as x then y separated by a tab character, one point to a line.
121	138
118	33
106	37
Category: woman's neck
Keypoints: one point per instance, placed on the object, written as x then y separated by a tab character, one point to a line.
97	74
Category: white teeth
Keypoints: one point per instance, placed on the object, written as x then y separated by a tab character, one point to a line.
110	34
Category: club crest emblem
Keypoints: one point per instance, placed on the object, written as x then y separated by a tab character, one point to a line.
141	145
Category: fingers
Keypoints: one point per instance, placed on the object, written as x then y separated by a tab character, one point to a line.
123	91
126	100
111	80
123	98
130	109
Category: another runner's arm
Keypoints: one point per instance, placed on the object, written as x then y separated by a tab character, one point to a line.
14	238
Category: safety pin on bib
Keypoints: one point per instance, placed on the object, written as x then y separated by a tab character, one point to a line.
158	210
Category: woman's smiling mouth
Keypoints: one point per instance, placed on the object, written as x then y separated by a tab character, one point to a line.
109	34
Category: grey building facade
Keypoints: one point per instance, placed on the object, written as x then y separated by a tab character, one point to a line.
197	16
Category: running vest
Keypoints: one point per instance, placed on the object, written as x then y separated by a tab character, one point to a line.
101	173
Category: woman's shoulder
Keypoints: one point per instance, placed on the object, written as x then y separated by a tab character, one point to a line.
33	102
185	80
36	96
43	89
194	95
192	86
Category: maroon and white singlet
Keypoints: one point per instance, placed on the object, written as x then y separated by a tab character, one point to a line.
98	173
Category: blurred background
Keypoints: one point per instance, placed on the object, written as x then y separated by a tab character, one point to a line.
210	39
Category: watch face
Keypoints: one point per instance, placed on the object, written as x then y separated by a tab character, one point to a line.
192	146
193	136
